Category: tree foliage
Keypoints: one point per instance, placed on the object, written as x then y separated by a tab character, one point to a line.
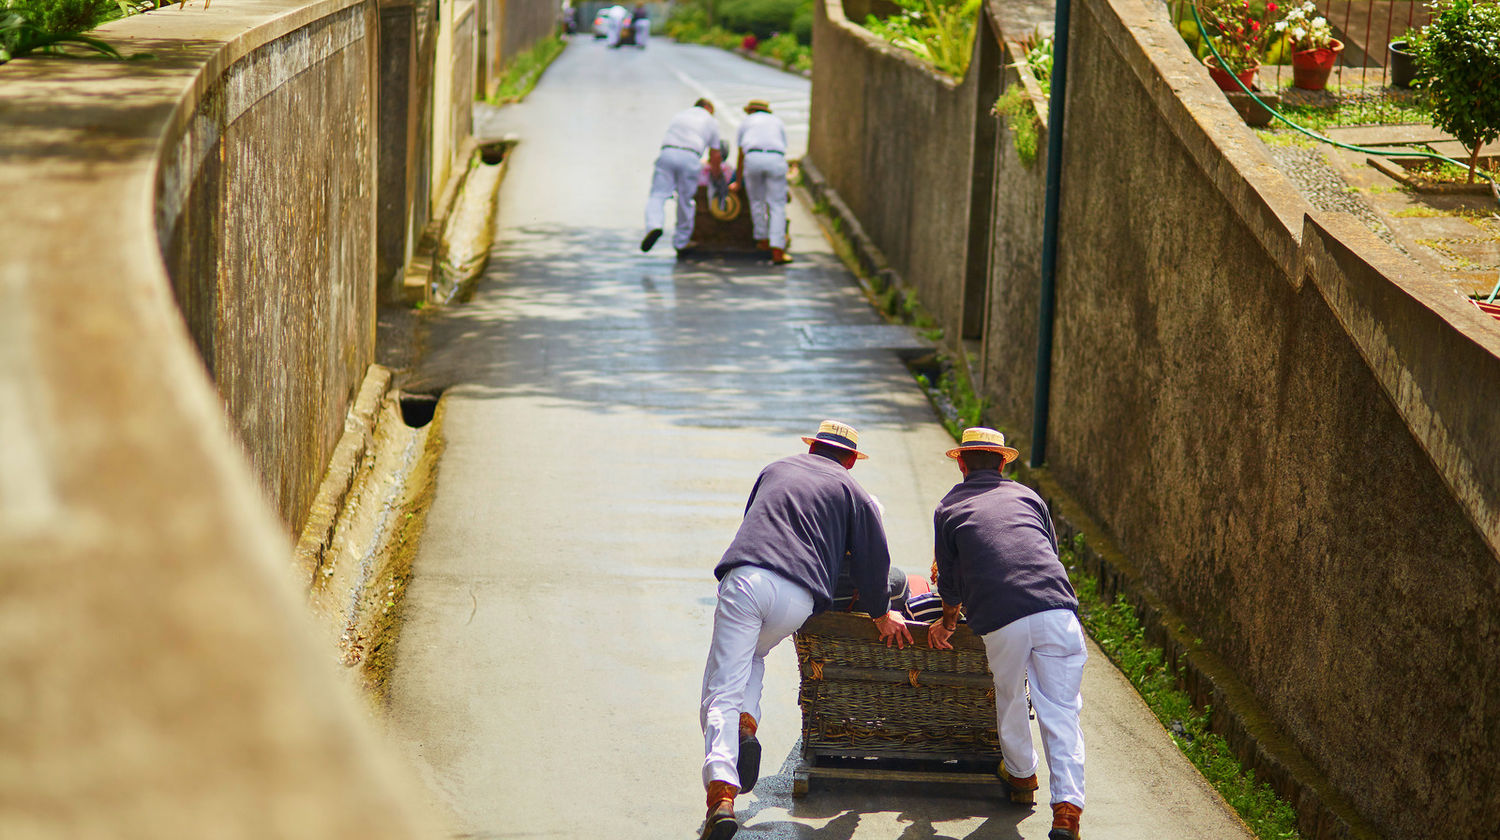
1458	65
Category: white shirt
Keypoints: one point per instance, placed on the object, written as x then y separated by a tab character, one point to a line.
694	129
761	130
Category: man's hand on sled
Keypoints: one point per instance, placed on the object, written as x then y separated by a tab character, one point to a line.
892	630
938	636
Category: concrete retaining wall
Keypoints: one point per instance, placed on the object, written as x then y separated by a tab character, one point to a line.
162	678
268	241
892	137
1284	426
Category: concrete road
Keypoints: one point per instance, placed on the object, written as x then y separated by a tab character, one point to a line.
607	411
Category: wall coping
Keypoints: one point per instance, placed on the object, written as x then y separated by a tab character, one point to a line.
125	499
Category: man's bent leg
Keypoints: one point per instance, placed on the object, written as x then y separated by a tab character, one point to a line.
1007	650
737	626
662	187
776	196
755	197
686	177
1056	666
787	606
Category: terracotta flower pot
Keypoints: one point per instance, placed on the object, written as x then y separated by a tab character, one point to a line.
1310	68
1224	79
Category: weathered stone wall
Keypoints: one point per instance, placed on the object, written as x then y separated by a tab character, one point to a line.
161	675
1285	426
1229	424
894	139
1008	357
524	22
268	241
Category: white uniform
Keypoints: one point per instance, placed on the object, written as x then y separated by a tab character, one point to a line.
1048	647
762	139
689	135
615	17
757	608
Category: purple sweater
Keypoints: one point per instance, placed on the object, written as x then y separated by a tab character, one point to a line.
996	552
805	512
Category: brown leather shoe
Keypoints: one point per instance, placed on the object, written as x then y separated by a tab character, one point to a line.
780	257
1065	816
762	244
1021	791
749	760
720	823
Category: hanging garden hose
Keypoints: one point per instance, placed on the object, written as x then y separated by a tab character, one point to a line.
1494	185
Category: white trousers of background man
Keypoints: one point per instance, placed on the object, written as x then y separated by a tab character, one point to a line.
677	172
765	187
1046	647
757	609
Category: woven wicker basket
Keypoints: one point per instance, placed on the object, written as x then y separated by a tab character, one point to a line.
862	699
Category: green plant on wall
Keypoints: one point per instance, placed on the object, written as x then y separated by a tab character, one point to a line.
1016	106
939	31
1458	66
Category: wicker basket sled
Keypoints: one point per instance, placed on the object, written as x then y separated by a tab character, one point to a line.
876	713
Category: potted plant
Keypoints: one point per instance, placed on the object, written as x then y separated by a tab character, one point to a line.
1238	34
1314	49
1459	68
1401	61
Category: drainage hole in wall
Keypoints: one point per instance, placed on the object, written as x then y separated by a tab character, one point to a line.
417	409
493	153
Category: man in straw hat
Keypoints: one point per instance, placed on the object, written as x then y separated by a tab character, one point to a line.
762	168
997	560
691	132
805	512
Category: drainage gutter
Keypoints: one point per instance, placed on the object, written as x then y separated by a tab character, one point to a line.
1046	306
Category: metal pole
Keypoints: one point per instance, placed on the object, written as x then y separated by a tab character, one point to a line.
1046	306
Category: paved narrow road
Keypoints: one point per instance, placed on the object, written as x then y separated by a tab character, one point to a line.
606	413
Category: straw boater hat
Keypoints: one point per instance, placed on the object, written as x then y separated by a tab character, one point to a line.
838	435
757	105
983	440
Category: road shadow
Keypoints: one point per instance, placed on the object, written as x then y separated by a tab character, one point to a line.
834	810
581	315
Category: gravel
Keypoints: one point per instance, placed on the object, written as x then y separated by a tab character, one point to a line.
1326	189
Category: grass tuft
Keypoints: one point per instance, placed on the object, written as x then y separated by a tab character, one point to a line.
522	74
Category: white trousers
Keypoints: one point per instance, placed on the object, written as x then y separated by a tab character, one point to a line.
765	187
676	172
1048	648
642	32
757	609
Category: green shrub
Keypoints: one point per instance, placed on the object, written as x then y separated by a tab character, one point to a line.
28	26
802	25
1021	117
761	18
939	31
1458	65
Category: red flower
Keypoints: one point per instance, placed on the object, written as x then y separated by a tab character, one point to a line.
1270	7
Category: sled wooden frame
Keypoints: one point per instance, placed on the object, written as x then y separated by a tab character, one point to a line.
873	713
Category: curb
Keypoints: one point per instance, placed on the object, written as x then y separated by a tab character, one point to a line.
873	270
771	62
343	467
